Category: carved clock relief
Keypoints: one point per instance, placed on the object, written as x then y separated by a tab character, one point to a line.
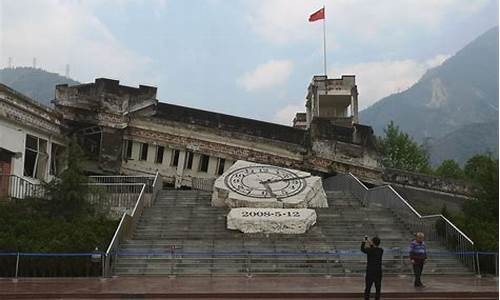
263	181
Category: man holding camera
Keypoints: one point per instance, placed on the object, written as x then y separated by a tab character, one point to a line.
373	266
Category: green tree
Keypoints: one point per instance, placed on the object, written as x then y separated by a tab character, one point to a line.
62	220
482	170
481	213
66	196
450	169
401	152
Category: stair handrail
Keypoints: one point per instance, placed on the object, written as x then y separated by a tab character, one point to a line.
202	184
123	231
128	222
451	235
157	186
19	187
124	179
350	183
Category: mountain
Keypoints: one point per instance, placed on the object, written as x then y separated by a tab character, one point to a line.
34	83
449	104
472	139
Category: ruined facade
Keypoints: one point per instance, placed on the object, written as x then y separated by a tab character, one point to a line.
335	100
127	130
31	138
99	113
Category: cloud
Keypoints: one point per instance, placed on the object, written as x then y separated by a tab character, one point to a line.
286	21
286	114
282	21
375	80
267	76
68	32
378	79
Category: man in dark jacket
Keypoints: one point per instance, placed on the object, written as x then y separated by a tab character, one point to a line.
373	266
418	255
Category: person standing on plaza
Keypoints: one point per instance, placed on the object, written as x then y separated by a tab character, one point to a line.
418	255
373	265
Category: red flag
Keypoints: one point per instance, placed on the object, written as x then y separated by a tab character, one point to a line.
319	15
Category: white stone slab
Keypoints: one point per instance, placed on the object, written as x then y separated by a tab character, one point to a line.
271	220
247	184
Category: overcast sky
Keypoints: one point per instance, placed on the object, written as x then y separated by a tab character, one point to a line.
252	58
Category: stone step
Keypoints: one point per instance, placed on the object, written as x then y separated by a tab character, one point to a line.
186	220
361	267
354	264
144	257
355	244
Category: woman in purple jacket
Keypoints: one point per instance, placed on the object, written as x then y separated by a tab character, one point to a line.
418	255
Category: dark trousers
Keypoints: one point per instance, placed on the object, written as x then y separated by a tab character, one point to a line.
373	279
417	270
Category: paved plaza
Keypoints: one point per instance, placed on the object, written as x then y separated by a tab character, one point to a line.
437	287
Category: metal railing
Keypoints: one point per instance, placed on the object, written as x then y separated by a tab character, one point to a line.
120	190
435	227
114	195
157	186
349	183
13	186
110	191
36	264
202	184
116	179
129	221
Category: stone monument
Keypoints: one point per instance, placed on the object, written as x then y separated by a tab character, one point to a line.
271	220
268	199
248	184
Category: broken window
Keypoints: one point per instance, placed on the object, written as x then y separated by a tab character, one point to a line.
144	151
56	159
89	139
220	166
159	154
175	158
188	164
35	157
128	149
30	156
204	159
43	159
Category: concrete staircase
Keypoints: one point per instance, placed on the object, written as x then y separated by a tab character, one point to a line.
181	234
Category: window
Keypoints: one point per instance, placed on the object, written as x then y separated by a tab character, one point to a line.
43	159
175	158
128	150
189	160
56	159
220	166
30	155
159	154
204	159
35	157
144	151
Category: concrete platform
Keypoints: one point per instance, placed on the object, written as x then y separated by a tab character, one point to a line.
437	287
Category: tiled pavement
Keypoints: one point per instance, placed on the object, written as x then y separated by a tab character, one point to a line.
437	287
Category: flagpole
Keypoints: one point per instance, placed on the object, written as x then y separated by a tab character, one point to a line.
324	40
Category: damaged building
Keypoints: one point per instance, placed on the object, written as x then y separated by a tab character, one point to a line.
126	130
31	137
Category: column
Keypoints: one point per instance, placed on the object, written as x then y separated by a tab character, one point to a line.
180	169
354	103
